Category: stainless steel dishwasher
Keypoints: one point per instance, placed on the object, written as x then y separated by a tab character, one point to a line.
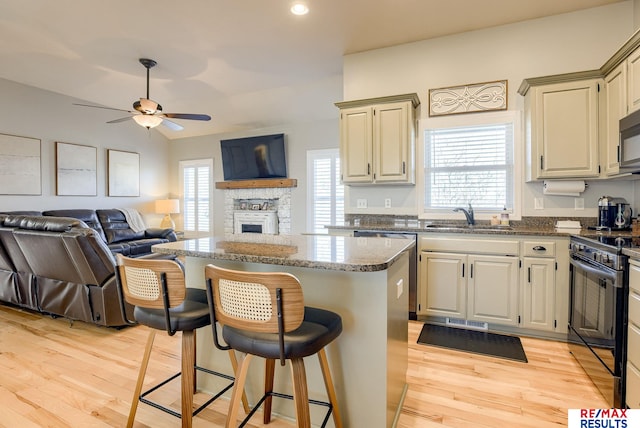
413	263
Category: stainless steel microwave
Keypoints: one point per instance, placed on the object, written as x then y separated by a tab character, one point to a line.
629	150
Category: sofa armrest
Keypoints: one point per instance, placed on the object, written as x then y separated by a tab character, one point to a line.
168	234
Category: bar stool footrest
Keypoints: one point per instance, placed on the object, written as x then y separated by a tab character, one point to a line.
169	379
288	397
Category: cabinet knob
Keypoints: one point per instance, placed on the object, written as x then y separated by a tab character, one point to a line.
539	248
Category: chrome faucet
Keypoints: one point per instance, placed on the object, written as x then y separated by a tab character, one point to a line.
468	213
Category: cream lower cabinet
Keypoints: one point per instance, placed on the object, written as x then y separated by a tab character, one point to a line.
519	282
633	338
475	287
538	291
492	289
446	293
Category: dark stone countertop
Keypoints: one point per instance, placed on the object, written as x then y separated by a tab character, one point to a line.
308	251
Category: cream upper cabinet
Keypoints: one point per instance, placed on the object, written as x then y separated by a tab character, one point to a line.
614	109
633	79
562	130
377	140
356	149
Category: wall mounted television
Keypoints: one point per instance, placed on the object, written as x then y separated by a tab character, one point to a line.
254	157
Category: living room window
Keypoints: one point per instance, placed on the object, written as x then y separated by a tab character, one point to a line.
471	163
196	178
325	192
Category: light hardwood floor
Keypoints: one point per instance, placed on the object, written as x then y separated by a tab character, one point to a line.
54	375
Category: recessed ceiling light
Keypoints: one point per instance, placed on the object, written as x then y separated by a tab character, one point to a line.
299	8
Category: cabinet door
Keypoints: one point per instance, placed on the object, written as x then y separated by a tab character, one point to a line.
538	293
493	289
566	129
356	144
443	284
633	79
615	108
391	142
633	337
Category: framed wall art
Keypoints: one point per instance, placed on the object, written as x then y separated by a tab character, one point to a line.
123	169
20	163
76	170
472	98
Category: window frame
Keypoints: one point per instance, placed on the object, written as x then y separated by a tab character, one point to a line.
464	120
182	164
334	154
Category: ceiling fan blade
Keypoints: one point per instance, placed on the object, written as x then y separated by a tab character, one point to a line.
188	116
171	125
122	119
105	108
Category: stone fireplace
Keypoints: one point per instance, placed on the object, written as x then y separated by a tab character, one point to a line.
269	203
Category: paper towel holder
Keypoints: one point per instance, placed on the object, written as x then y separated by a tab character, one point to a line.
564	187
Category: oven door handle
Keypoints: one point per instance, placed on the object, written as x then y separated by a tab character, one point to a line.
611	275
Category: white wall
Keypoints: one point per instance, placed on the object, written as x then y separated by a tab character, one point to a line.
31	112
299	138
571	42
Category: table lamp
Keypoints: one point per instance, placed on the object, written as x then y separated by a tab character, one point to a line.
167	207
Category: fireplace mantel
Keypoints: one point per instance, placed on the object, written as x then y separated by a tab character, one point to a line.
258	184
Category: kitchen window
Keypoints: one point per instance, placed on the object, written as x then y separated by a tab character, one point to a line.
196	178
471	163
325	193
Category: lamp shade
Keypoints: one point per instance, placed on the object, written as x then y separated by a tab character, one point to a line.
147	120
167	206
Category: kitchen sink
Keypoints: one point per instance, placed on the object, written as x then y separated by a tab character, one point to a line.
444	226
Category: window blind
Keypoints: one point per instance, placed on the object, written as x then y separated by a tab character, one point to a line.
196	188
326	193
471	164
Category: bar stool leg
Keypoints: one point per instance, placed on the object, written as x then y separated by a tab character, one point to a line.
238	390
143	370
269	369
300	393
234	365
188	363
331	392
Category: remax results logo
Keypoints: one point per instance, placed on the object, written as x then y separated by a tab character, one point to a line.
604	418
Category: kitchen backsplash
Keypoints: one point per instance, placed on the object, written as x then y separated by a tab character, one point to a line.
412	221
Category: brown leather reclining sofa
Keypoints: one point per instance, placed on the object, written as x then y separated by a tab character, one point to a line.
65	267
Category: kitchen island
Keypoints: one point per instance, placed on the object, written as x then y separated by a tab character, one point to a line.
365	280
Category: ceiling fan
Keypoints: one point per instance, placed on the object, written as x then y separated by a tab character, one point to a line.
148	113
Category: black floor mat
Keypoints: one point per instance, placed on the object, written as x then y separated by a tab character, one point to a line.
478	342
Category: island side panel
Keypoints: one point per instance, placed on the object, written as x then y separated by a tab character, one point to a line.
397	336
368	360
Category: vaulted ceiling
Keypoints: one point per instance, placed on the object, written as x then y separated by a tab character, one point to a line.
247	63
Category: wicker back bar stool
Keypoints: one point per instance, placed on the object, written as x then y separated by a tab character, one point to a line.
162	301
263	314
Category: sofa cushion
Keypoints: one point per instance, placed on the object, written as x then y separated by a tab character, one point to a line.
116	228
120	248
143	246
88	216
50	224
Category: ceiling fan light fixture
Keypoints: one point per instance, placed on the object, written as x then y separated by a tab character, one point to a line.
299	8
147	120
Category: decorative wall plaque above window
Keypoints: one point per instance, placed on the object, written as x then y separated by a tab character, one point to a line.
471	98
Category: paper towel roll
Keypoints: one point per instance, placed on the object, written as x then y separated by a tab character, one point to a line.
564	187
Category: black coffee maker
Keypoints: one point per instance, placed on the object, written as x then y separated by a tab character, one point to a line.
613	214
